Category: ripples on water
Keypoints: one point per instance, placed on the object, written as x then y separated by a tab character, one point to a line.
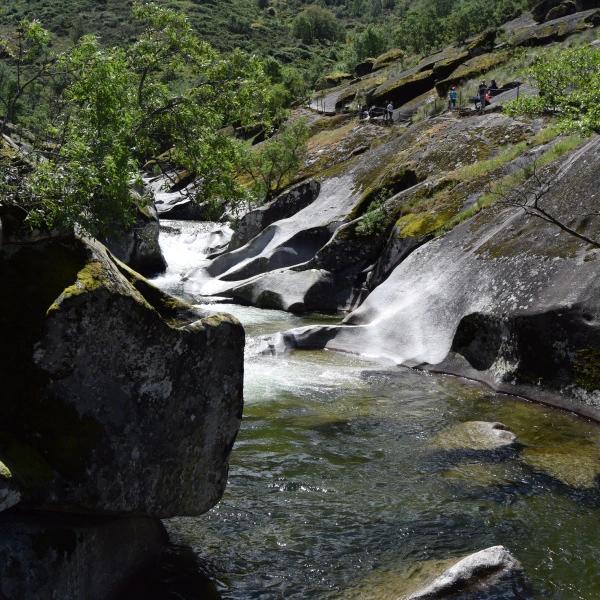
336	490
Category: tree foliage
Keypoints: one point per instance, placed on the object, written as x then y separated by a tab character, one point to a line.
569	86
272	165
167	94
373	41
316	23
26	61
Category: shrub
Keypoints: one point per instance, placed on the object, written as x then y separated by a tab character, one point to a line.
569	85
316	23
272	166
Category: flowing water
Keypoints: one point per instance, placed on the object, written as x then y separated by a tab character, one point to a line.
339	486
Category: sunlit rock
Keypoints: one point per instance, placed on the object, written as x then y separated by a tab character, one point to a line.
490	573
476	435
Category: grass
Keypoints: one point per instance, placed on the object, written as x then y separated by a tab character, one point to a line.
483	167
512	180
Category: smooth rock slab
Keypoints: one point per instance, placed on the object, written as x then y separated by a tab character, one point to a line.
476	435
285	205
293	291
491	574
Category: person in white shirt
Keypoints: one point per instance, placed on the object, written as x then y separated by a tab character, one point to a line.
389	112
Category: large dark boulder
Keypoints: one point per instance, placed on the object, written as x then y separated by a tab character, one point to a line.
69	557
556	30
364	68
285	205
403	88
116	397
541	9
562	10
547	10
470	69
481	43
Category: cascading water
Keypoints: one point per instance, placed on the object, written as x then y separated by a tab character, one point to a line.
185	246
338	489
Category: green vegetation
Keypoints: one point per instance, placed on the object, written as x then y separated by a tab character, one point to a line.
334	34
316	23
272	165
107	110
376	219
510	181
569	84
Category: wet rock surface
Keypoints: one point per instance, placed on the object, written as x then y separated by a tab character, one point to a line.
509	299
285	205
73	557
138	247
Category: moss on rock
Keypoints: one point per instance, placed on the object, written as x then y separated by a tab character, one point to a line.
405	88
472	68
587	369
389	57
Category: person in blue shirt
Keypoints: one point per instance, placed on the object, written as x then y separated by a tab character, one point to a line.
452	98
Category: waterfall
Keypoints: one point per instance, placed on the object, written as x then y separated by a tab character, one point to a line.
186	246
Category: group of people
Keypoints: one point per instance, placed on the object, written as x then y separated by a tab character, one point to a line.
484	96
376	111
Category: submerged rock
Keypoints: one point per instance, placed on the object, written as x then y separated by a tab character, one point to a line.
476	435
492	573
575	464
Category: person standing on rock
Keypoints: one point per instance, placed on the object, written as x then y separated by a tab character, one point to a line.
483	89
389	112
452	98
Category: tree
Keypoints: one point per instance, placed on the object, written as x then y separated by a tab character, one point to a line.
272	165
419	31
26	61
316	23
469	17
569	86
169	94
371	42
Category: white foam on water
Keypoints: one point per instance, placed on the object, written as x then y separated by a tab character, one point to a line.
185	245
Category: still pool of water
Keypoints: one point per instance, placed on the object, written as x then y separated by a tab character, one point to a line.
337	489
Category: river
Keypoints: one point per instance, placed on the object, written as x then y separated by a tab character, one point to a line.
340	487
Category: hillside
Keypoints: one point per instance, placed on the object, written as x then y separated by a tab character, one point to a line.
362	27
